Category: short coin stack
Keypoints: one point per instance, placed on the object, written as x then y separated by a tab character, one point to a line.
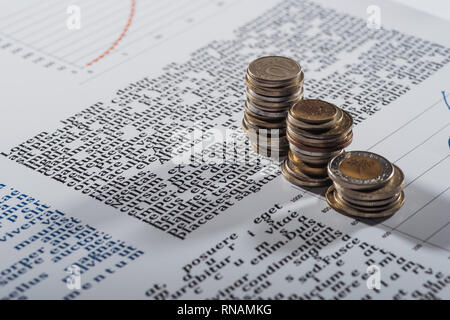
274	84
317	131
365	185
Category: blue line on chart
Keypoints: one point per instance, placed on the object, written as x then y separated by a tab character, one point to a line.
445	99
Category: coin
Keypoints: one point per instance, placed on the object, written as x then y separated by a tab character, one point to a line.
275	123
393	186
360	170
367	207
339	206
315	126
281	91
274	69
309	170
313	111
273	85
340	142
262	113
340	129
274	105
366	203
302	180
313	160
269	152
270	133
318	150
291	97
314	154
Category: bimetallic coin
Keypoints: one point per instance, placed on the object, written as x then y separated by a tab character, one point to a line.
392	187
339	206
316	126
274	69
313	111
360	170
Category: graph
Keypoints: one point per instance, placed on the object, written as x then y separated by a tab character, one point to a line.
108	32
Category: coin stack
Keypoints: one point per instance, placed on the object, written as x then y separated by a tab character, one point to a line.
274	84
365	185
317	131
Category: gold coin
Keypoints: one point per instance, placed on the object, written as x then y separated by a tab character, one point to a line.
393	186
339	206
274	69
275	91
313	111
315	126
299	181
341	128
320	172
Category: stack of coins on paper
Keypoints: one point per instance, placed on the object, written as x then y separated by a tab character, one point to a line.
274	84
317	131
365	185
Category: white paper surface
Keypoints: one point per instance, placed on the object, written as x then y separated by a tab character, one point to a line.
148	231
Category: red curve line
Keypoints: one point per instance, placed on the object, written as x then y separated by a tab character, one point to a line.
122	35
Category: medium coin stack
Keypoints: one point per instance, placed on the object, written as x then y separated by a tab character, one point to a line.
274	84
317	131
365	185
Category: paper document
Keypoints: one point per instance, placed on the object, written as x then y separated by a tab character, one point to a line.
124	171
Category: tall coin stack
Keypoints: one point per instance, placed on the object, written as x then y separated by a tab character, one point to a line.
274	84
317	131
365	185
